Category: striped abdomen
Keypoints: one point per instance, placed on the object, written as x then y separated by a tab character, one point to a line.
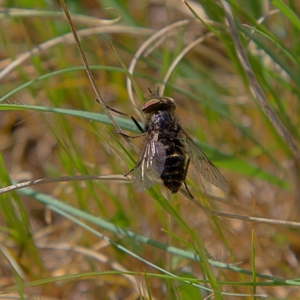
174	171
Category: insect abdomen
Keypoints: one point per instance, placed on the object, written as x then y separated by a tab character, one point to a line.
174	170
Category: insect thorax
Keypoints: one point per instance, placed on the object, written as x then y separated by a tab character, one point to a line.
162	121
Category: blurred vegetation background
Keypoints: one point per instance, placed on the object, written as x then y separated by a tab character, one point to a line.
72	237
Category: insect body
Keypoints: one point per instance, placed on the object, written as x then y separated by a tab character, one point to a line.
167	151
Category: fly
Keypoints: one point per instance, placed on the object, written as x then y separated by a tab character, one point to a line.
167	150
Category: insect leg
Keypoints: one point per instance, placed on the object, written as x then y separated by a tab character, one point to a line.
114	110
124	134
185	188
123	114
186	169
132	136
117	111
137	124
125	175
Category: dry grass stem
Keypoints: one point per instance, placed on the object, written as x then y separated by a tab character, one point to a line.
256	90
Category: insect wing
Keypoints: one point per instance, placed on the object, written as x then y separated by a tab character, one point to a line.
150	165
204	165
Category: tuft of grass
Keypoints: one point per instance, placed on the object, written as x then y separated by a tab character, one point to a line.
71	224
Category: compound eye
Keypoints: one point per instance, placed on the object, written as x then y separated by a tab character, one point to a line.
150	104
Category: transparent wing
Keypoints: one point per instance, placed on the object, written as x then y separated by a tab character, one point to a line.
150	165
204	165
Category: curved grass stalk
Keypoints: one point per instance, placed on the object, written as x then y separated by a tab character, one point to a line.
23	13
121	178
59	206
67	39
120	247
255	88
13	262
260	21
92	254
24	184
92	80
141	49
181	55
240	217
